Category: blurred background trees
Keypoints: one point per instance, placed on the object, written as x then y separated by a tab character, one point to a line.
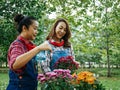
94	25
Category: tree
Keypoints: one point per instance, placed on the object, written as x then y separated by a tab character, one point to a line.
8	10
94	25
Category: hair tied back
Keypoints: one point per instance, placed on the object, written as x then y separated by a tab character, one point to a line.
18	18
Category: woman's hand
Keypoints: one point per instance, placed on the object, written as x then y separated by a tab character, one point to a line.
78	64
45	46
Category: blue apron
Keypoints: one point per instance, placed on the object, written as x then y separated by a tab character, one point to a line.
57	54
27	80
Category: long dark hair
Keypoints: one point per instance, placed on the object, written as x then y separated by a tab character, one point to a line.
67	36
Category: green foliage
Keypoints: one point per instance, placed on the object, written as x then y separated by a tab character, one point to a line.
91	24
85	86
8	10
114	80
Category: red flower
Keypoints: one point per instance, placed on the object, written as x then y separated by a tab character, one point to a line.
67	63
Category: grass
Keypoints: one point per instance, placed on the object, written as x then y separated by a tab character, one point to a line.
110	83
3	81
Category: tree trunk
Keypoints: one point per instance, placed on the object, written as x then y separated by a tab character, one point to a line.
108	59
107	46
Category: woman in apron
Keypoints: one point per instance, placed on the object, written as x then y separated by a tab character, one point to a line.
21	55
58	39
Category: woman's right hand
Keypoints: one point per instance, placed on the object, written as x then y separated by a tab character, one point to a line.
45	46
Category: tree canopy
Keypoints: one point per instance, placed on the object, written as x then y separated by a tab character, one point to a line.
94	25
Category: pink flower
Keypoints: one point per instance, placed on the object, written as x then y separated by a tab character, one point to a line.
40	76
51	75
42	80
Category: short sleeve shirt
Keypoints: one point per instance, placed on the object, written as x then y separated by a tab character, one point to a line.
16	49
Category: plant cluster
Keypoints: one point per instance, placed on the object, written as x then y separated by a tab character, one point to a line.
67	63
61	79
86	80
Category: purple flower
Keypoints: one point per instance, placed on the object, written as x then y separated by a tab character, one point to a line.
51	75
40	76
42	80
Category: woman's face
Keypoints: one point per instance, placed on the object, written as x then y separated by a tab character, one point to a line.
60	30
32	31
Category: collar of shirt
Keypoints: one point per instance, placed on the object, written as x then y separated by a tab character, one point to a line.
56	43
27	43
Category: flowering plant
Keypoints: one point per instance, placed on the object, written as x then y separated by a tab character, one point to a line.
67	63
59	79
86	81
